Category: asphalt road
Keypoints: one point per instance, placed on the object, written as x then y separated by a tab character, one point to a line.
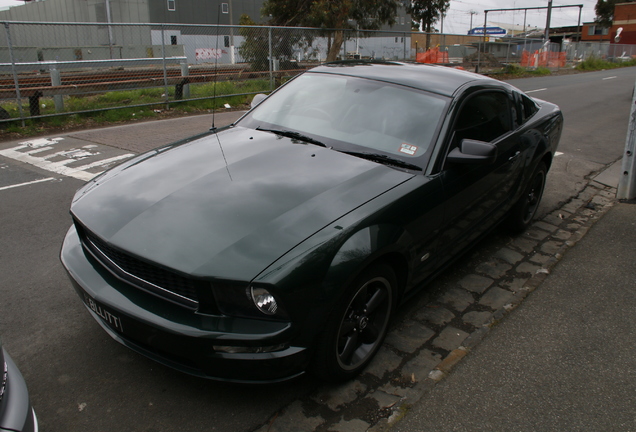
81	380
595	107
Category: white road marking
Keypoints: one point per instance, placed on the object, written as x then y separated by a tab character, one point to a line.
27	183
537	90
558	153
41	142
59	167
78	154
104	162
609	78
38	150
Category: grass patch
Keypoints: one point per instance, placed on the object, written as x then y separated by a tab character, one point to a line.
594	64
101	109
516	70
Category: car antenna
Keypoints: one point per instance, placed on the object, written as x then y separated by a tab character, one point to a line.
216	65
216	72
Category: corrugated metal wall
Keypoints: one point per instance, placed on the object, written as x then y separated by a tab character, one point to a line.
123	11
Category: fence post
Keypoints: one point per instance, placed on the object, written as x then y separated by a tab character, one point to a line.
345	34
14	73
56	80
185	71
404	39
627	181
165	71
271	61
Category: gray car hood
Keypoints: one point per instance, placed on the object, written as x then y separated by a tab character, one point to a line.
228	213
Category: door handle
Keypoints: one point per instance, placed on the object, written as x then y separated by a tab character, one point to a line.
515	156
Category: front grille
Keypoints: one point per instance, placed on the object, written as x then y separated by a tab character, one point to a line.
141	274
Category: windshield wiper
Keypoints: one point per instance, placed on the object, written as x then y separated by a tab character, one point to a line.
293	135
383	159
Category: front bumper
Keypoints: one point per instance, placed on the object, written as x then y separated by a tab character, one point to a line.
176	336
17	413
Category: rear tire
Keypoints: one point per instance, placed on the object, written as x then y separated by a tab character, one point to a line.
524	210
357	327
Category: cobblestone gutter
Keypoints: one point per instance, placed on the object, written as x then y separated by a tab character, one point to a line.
440	330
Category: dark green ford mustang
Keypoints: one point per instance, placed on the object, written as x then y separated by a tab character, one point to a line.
284	242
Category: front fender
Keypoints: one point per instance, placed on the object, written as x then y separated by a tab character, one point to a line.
360	250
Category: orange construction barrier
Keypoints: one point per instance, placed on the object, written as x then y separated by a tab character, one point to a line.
433	55
543	59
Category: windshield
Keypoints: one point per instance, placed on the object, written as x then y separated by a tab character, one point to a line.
350	113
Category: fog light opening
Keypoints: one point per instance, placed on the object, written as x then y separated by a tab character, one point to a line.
249	350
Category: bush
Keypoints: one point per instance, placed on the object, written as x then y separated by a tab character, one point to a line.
594	63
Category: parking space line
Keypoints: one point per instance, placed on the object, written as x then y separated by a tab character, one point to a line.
27	183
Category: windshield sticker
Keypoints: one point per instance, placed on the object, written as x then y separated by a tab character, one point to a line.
408	149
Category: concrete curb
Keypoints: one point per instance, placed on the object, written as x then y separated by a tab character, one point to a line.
434	337
599	202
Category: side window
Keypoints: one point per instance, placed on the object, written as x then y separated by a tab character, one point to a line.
529	107
484	117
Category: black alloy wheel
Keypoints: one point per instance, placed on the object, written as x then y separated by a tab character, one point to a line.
526	208
356	332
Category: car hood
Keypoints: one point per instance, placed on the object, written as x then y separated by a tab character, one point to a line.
227	206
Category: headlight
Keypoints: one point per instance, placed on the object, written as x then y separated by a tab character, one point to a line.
249	302
264	301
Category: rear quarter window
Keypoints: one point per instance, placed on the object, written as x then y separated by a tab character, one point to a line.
529	106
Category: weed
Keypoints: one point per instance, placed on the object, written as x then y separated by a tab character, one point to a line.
594	63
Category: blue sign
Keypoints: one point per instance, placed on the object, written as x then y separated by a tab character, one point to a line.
489	31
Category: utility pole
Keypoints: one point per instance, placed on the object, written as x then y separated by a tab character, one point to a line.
547	24
471	19
443	41
627	181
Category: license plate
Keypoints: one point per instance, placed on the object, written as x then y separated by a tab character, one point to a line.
108	317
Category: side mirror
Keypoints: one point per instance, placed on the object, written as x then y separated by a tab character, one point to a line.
258	99
473	152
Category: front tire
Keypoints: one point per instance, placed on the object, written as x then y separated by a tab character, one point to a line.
356	329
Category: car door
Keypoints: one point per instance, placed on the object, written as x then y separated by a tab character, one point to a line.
477	193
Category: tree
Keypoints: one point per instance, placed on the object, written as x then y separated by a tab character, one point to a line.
334	16
427	12
605	11
257	43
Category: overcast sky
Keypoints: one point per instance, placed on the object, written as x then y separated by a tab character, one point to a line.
458	18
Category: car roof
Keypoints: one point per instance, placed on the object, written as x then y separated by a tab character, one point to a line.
433	78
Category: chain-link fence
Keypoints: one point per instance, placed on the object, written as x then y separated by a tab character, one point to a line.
52	69
48	69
